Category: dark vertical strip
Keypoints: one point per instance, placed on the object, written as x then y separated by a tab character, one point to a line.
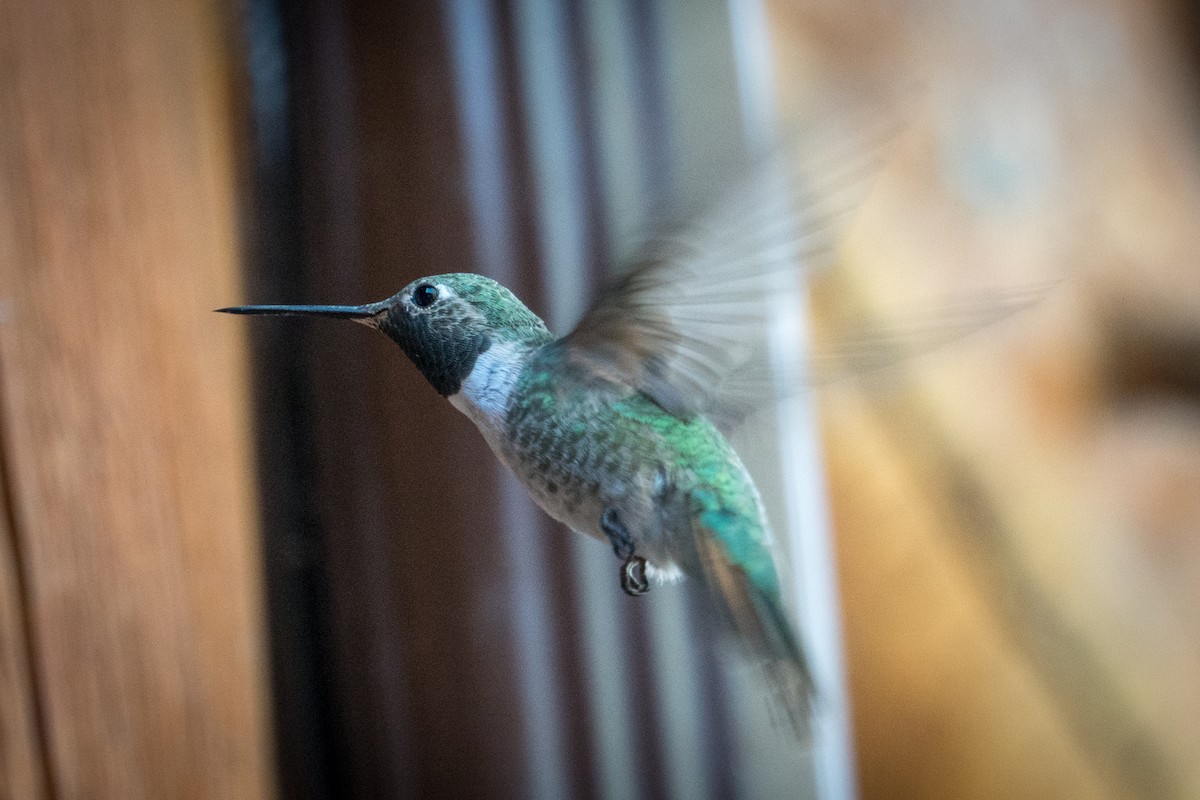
426	675
522	192
25	601
296	591
647	711
658	162
367	659
583	92
1188	24
720	749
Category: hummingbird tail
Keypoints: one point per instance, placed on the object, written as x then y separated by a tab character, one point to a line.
755	616
787	673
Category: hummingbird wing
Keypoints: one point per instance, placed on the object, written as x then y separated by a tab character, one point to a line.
687	321
862	347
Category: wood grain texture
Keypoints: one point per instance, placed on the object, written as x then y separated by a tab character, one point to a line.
125	419
22	772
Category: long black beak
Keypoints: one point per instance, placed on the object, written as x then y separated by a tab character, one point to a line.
365	314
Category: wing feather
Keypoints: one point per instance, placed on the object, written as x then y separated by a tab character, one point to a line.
691	312
687	322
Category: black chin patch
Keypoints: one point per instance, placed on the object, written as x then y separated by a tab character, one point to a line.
443	350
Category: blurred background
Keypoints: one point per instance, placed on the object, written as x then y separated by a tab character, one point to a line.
266	560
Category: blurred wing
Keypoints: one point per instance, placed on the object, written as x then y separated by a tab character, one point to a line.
690	315
687	324
875	345
870	346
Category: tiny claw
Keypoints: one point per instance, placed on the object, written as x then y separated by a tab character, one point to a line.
633	576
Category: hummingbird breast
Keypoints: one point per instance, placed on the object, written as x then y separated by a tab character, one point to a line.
583	444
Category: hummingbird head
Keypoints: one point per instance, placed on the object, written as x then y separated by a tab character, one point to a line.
443	323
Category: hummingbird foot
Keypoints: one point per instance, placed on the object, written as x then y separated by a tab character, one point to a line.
633	576
634	581
617	533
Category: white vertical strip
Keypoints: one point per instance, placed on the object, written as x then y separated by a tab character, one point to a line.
541	35
472	30
472	33
557	171
623	186
808	530
678	683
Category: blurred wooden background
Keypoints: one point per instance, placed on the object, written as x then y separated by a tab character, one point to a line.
1017	516
131	638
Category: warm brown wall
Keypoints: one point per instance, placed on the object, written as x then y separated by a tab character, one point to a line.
131	663
1016	514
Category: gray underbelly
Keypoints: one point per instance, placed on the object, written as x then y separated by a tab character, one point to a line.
576	481
578	501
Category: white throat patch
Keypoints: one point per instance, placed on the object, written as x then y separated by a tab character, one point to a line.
485	393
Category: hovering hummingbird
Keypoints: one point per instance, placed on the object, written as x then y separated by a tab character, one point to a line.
604	439
618	429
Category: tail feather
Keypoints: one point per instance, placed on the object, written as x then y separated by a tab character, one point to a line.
786	668
753	611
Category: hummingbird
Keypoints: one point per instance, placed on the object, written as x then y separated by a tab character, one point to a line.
606	429
619	428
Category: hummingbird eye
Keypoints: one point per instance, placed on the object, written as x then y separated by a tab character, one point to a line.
425	295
